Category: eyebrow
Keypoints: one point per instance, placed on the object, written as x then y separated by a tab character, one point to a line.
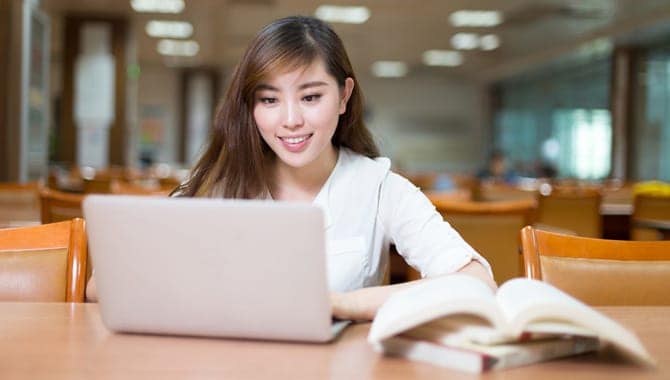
264	86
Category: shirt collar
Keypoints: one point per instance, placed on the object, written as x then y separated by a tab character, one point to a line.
324	198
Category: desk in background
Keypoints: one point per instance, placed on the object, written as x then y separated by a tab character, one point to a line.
616	219
68	341
662	226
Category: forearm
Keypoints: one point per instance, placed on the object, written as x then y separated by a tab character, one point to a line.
362	304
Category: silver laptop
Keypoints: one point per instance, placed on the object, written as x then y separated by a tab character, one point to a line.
209	267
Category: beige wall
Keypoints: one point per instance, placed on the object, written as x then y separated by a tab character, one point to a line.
158	91
440	127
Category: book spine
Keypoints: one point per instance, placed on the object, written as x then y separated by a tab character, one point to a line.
427	352
538	351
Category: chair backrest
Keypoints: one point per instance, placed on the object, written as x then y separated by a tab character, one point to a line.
498	192
45	263
647	206
169	183
450	196
422	180
58	206
599	271
138	188
19	204
492	229
98	185
576	210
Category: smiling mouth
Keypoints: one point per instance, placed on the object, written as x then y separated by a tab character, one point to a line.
295	140
296	144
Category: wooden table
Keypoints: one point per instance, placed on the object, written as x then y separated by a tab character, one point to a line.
69	341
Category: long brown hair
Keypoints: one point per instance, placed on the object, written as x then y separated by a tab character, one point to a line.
234	163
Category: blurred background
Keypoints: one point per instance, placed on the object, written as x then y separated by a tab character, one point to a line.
552	113
573	89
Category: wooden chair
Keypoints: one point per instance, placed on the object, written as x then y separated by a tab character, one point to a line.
599	271
19	204
492	228
576	210
98	185
57	206
422	180
137	188
647	206
456	195
169	183
101	181
497	192
45	263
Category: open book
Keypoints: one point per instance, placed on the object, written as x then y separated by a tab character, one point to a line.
457	321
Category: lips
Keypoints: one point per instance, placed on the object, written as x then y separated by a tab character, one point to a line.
295	143
294	140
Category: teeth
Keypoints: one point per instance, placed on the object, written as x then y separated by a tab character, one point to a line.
295	140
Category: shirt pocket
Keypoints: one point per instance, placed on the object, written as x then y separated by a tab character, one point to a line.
346	262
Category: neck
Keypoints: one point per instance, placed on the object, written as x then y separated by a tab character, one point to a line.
304	183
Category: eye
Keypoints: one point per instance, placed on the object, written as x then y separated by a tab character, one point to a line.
267	100
311	98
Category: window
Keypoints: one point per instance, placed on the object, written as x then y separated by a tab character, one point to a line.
584	142
651	150
559	117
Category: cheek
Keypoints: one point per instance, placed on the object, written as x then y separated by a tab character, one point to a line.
324	117
262	117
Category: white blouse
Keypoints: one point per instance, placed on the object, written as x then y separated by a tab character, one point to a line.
367	207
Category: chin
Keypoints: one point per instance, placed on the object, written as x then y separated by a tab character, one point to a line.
295	161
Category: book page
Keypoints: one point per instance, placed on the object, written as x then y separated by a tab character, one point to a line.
431	299
522	300
538	307
459	330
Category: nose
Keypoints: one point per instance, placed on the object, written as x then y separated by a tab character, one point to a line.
292	115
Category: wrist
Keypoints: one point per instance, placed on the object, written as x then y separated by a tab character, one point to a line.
349	305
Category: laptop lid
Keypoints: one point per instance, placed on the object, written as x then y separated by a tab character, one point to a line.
210	267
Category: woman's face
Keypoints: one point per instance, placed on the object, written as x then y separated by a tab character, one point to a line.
297	112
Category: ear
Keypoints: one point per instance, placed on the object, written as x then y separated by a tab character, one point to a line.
346	94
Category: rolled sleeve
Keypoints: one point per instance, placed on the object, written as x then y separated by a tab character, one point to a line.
425	240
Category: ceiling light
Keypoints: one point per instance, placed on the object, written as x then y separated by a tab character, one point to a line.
158	6
174	47
475	18
442	58
489	42
471	41
170	29
348	15
465	41
389	69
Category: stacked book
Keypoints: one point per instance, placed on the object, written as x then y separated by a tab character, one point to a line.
459	322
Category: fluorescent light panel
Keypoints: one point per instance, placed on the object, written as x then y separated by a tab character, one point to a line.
471	41
465	41
442	58
343	14
389	69
169	29
187	48
476	18
158	6
489	42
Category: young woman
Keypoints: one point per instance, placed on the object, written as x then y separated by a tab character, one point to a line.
290	128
